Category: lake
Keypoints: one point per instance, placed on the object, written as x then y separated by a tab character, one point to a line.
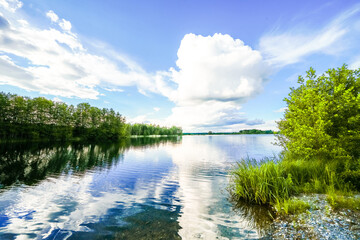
144	188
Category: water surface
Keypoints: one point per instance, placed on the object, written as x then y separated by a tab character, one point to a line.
151	188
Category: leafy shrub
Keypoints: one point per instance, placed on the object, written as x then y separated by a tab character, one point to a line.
322	119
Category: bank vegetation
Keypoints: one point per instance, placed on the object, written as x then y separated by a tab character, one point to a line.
320	135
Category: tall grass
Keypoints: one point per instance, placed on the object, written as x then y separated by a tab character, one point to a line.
261	182
270	182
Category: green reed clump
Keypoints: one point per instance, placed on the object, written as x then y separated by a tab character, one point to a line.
315	176
273	183
261	182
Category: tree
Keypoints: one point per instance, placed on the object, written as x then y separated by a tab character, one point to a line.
323	116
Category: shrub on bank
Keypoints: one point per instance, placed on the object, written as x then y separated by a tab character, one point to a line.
320	134
322	120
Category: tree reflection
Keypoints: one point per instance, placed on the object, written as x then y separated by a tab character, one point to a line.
29	163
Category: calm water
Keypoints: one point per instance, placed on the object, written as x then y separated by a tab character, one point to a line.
139	189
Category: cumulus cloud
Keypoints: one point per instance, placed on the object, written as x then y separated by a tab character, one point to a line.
215	75
11	5
207	114
57	62
218	68
53	16
65	25
294	44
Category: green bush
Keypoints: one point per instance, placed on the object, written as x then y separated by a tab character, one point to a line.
352	177
322	119
320	134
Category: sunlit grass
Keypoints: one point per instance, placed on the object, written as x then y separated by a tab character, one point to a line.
291	206
338	200
261	182
274	183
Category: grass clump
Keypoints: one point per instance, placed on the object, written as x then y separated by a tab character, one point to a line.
261	182
339	201
291	206
275	183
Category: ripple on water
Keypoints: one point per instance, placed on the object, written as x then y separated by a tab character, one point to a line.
168	190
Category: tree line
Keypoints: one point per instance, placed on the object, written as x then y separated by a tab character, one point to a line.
151	129
249	131
25	118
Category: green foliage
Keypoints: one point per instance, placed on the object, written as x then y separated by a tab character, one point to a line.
316	176
261	182
256	131
42	119
291	206
275	183
320	134
323	116
138	129
339	201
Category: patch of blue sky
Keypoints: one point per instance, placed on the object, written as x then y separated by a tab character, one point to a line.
149	34
21	61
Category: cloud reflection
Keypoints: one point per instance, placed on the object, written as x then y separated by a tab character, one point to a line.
178	187
203	163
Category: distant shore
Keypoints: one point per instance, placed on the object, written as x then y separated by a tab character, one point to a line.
251	131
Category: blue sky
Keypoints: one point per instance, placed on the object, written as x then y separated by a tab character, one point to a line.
201	65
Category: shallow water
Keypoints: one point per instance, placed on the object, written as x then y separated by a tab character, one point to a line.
152	188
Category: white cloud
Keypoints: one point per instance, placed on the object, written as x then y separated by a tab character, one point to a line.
11	5
281	110
355	65
217	67
295	44
65	25
215	75
56	99
114	89
207	114
140	119
58	64
53	16
156	109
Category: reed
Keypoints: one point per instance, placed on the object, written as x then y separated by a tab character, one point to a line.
261	182
274	182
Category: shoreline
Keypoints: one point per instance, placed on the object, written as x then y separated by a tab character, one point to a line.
321	221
